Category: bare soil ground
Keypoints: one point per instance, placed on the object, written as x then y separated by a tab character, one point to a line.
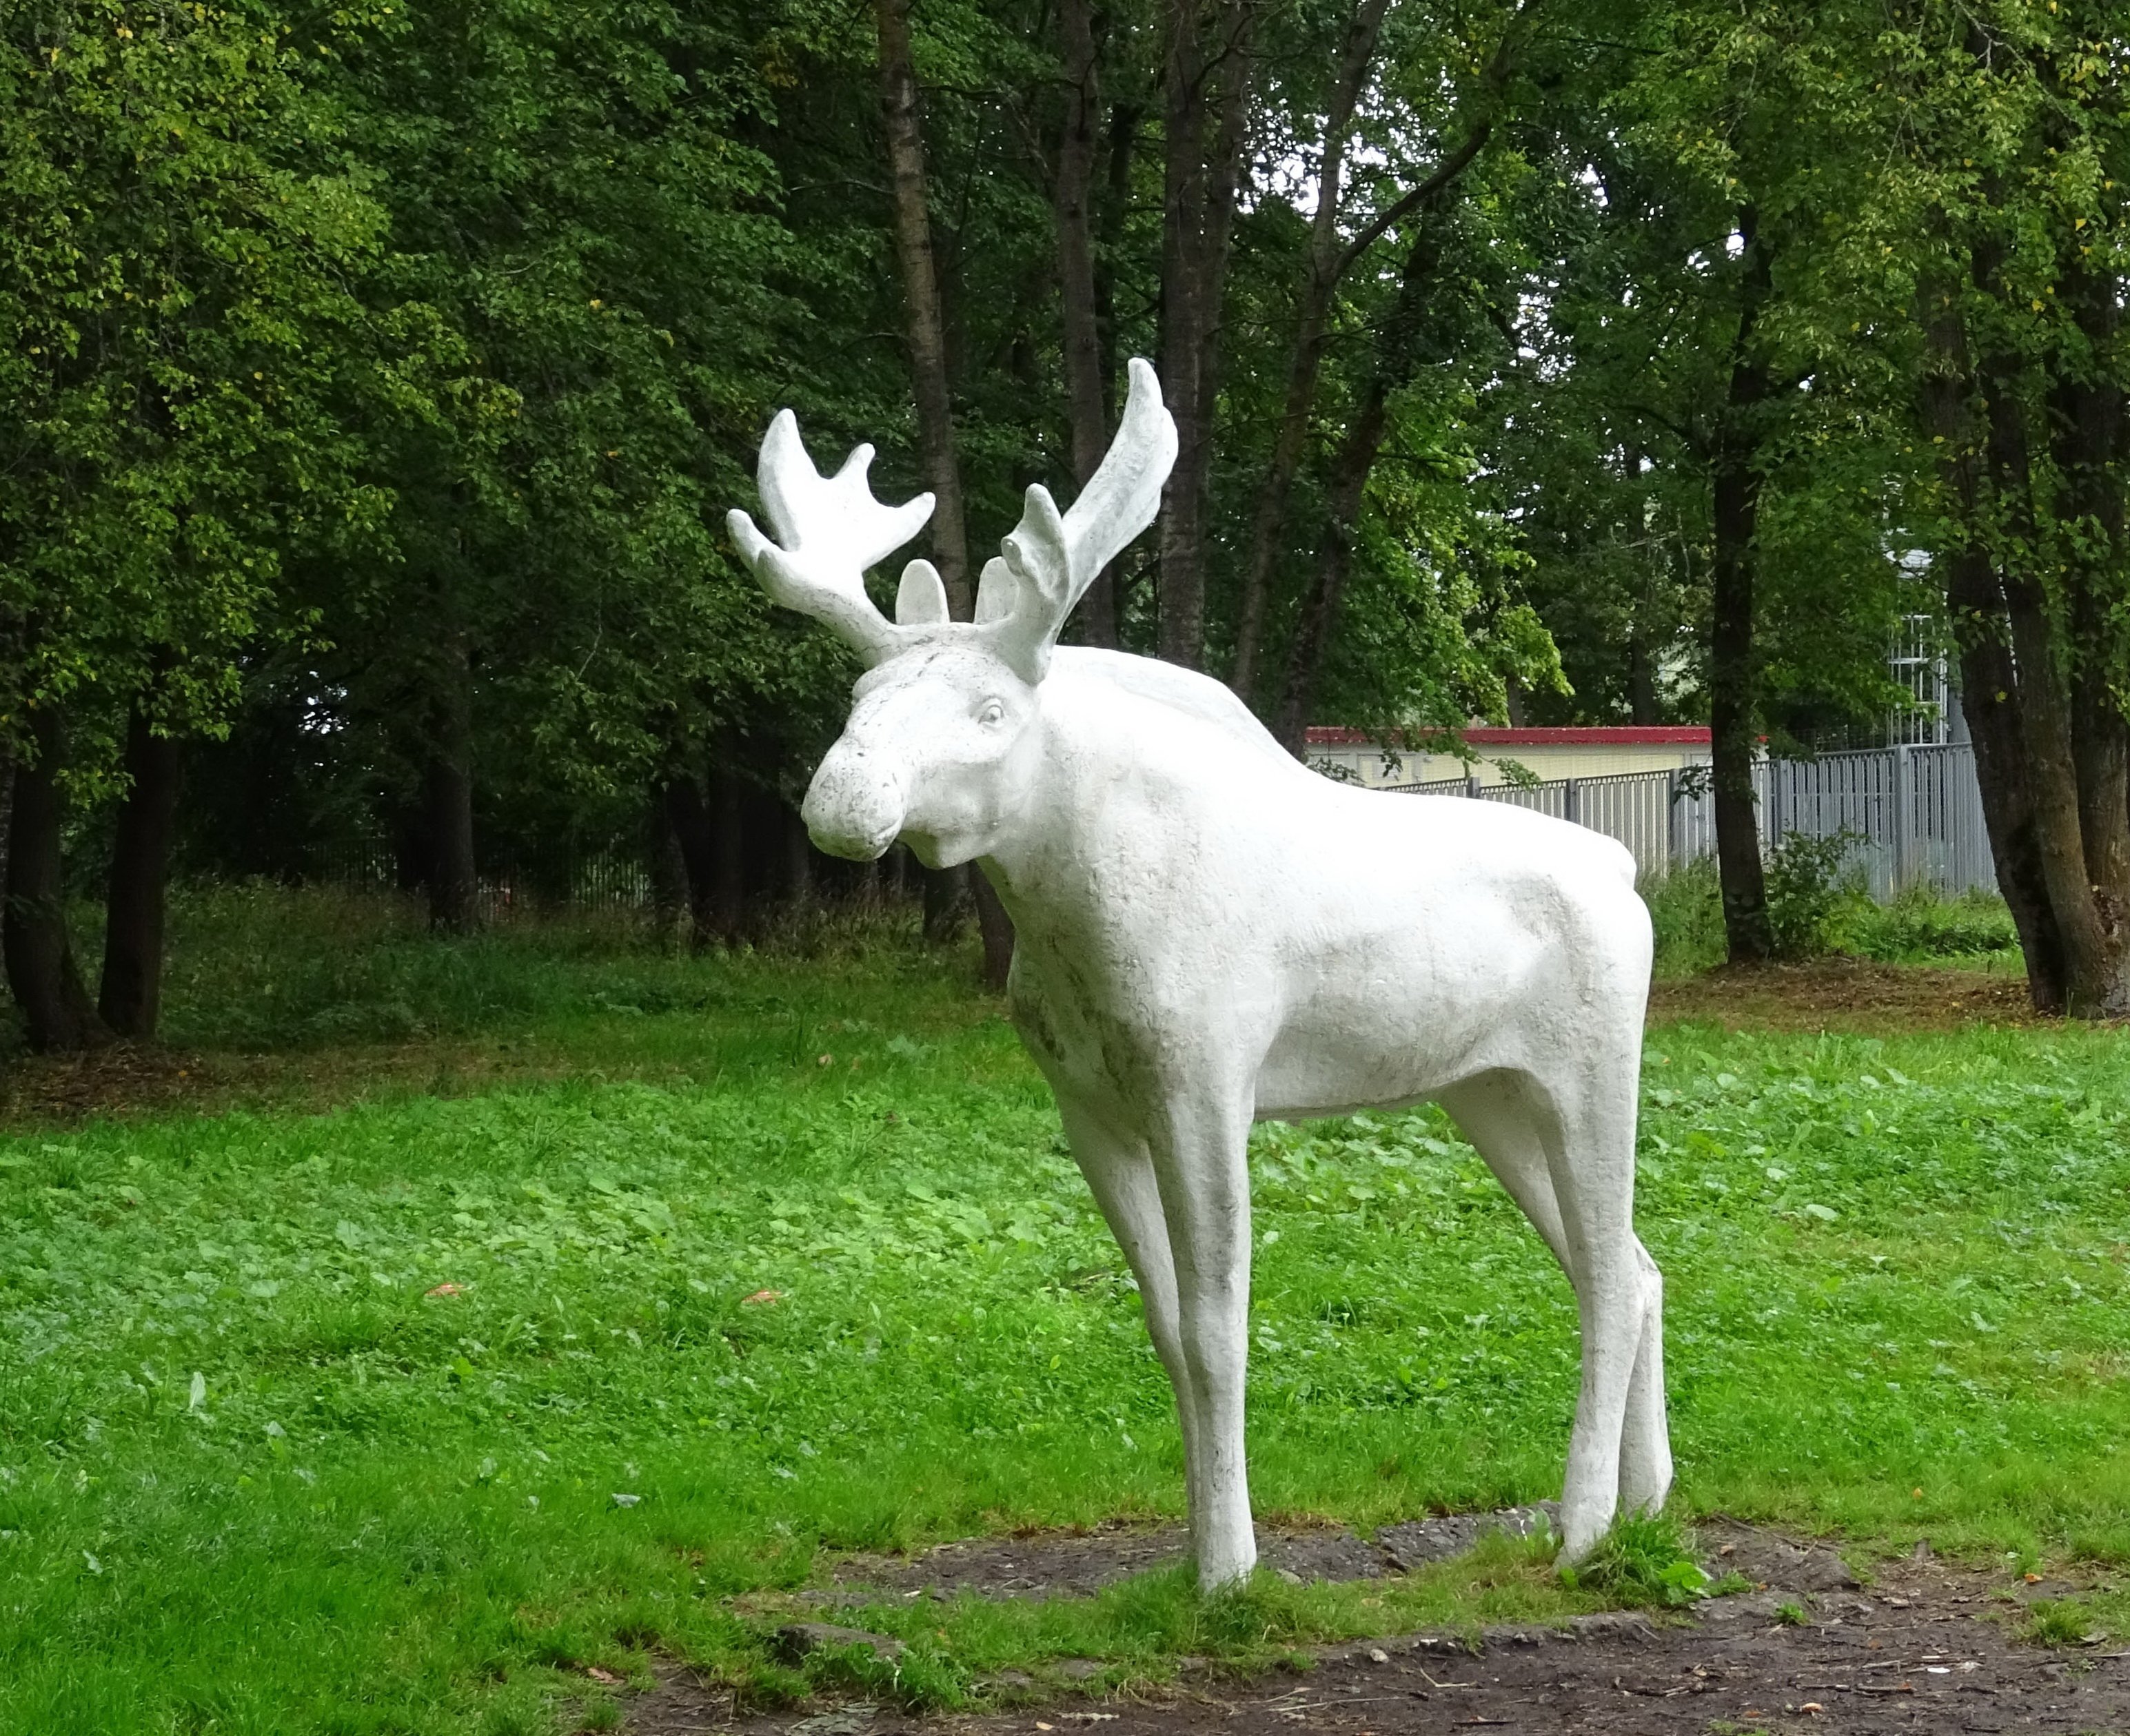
1843	995
148	1077
1924	1648
1080	1563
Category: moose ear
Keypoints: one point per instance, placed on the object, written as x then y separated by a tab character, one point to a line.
921	599
997	590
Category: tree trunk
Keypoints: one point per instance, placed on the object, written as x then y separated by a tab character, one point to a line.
2051	775
447	795
1319	620
1086	389
1400	348
2091	438
1988	698
798	861
2046	720
1123	145
1731	735
921	287
1104	608
1206	92
1327	245
1989	680
1733	672
928	357
1641	664
39	953
1398	352
729	852
668	865
410	848
132	998
996	927
946	902
694	835
7	765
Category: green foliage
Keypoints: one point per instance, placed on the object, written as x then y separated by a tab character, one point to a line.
1644	1560
1818	909
1699	125
180	344
1812	885
2057	1621
1686	914
571	201
1917	925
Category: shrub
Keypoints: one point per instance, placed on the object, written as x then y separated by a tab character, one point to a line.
1811	888
1686	911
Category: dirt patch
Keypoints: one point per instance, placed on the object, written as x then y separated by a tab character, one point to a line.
126	1079
1843	995
119	1076
1923	1649
1080	1563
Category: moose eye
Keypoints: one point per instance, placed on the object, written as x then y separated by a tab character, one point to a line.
992	714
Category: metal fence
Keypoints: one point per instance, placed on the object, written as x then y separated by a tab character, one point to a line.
596	880
1913	812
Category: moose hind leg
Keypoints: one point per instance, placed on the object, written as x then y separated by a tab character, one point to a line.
1510	1122
1589	1139
1646	1438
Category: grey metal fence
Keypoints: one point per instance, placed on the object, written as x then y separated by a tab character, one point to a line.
1913	812
598	880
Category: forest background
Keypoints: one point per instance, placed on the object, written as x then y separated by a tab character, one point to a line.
373	380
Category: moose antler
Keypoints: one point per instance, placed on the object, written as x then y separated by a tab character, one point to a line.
1050	560
829	529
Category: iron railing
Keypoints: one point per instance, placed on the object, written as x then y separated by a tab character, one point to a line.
1913	812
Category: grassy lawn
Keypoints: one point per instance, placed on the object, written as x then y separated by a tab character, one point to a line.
330	1403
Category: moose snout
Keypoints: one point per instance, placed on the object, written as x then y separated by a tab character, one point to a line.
854	806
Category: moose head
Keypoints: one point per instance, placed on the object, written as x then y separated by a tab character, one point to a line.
939	746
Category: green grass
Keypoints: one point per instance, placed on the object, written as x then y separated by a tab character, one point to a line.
1973	931
255	1476
1918	927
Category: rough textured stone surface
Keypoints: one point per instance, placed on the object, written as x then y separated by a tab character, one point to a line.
1207	932
1420	1541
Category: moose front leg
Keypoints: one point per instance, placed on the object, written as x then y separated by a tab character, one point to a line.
1121	1175
1200	1152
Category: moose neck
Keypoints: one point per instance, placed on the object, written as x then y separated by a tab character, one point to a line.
1122	781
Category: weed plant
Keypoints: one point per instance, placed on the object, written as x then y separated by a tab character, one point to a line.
1918	927
397	1418
1645	1560
1815	910
1686	917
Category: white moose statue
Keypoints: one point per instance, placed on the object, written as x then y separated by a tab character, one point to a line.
1208	933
